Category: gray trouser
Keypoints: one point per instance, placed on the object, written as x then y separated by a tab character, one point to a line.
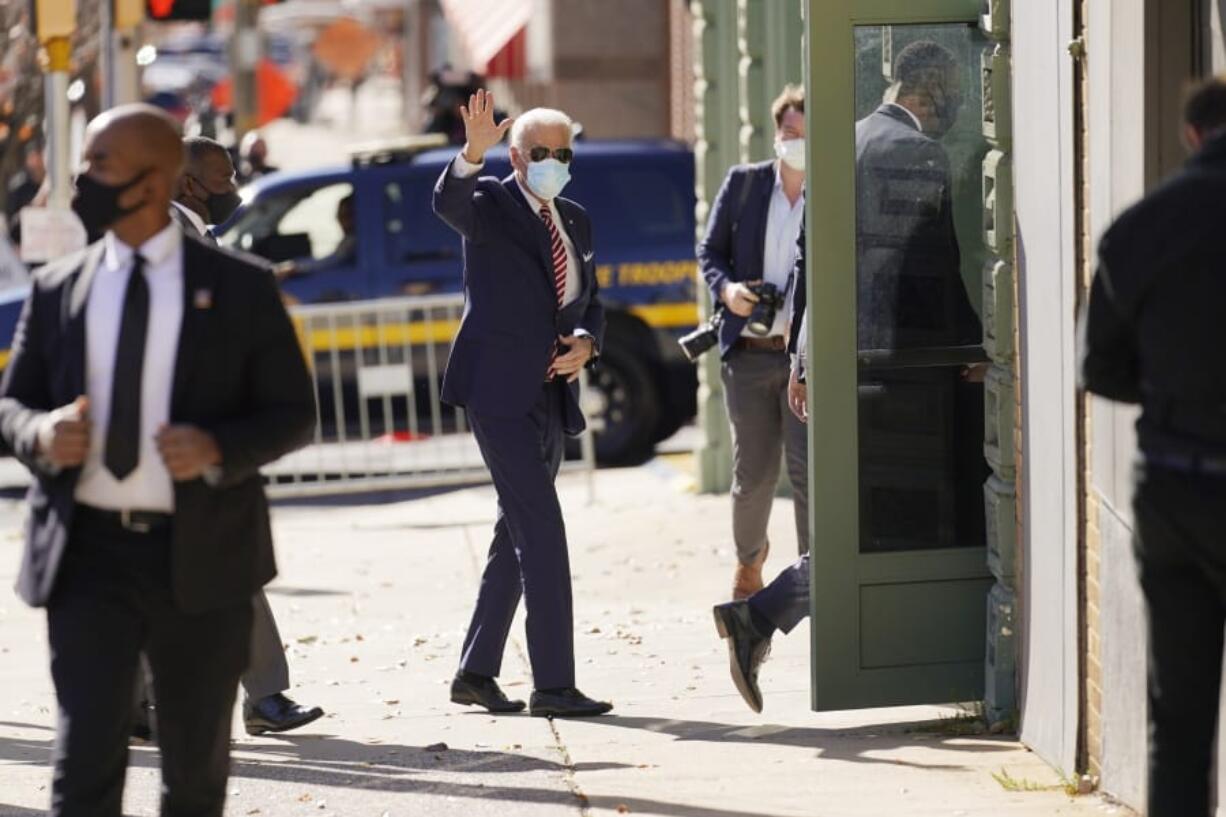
267	671
763	430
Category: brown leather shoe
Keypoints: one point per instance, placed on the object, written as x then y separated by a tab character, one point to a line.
747	579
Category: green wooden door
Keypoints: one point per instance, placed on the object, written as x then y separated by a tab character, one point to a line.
895	255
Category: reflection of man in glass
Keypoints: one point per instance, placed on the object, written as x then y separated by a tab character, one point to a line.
910	294
910	291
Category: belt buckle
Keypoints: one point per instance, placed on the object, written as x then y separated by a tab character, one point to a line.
125	519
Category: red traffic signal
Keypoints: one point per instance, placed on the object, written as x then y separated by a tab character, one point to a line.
179	9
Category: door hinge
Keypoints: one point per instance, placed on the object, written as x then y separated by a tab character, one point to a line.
1077	48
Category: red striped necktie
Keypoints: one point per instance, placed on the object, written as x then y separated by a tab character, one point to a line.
558	251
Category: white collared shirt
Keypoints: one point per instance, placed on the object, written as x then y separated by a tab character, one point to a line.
196	221
149	487
783	222
918	125
464	168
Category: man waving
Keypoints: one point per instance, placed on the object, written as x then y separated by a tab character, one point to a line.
532	321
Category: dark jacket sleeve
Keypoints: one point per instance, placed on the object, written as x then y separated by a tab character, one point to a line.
24	396
800	295
280	414
1109	361
593	321
716	247
460	205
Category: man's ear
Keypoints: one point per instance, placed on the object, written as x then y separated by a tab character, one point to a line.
1192	138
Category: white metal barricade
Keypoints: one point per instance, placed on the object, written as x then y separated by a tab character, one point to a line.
377	368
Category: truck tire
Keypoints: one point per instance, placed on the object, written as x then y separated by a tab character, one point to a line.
628	407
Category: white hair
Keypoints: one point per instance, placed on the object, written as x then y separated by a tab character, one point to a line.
535	118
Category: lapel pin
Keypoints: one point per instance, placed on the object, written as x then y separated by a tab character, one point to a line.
203	299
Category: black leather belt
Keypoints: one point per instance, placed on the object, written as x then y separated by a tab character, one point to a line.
1188	463
773	343
129	520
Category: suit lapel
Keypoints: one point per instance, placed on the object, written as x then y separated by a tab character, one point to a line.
537	232
766	188
583	255
75	319
198	294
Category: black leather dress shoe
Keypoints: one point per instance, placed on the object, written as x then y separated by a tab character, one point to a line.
747	649
277	713
474	690
566	703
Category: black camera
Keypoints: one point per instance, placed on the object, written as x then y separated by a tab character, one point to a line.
702	339
762	319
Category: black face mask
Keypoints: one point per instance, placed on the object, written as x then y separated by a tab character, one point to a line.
97	204
220	206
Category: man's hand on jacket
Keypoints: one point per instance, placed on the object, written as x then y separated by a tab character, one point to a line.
188	452
579	351
739	298
63	438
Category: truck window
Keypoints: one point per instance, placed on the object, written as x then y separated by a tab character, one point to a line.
296	224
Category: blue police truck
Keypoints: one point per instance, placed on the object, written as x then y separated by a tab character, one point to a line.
365	230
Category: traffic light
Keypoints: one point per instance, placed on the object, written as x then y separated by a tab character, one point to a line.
179	9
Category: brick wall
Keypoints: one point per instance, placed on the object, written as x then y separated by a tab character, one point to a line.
1090	544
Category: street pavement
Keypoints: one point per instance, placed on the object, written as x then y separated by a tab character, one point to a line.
373	599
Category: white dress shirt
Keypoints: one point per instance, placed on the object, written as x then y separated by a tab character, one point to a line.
464	168
149	487
783	222
196	221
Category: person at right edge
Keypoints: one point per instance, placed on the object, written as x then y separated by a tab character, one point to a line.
1153	335
751	239
910	291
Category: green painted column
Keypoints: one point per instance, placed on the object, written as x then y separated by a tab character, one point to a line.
715	150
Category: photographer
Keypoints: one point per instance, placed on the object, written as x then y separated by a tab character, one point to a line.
747	259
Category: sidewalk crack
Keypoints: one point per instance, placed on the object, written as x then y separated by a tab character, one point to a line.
568	765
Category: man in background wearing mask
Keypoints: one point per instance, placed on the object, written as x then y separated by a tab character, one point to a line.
532	321
151	377
751	237
207	196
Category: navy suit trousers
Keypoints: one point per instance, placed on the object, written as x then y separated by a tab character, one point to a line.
528	556
785	601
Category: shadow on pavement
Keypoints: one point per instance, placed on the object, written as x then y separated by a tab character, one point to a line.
832	744
394	769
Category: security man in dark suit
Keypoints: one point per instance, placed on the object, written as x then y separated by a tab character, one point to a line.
532	320
1153	335
151	376
910	294
751	239
207	196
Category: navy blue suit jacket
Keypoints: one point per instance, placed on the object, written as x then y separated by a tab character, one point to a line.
735	242
511	316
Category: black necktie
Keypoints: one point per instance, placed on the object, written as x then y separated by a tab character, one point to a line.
122	450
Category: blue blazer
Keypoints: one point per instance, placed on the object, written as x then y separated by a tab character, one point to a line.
511	316
735	242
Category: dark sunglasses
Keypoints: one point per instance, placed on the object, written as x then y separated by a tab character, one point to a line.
540	153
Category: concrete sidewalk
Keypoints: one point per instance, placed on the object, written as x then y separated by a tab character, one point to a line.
373	600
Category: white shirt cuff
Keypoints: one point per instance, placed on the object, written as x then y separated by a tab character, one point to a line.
461	168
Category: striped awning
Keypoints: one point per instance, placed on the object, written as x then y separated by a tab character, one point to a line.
485	26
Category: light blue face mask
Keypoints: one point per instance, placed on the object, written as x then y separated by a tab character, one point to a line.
547	177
